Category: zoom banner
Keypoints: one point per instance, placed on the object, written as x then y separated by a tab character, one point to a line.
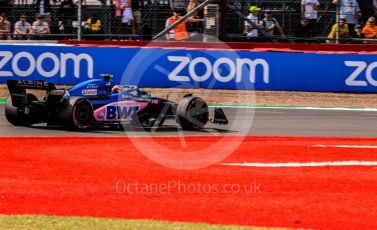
185	68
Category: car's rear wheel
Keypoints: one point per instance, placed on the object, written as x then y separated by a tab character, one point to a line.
20	117
78	114
82	114
192	113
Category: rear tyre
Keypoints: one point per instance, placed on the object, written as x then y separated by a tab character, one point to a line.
192	113
18	117
78	114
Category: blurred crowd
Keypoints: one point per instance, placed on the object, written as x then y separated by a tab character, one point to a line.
22	29
355	21
126	17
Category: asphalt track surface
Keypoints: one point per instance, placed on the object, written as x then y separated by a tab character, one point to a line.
258	122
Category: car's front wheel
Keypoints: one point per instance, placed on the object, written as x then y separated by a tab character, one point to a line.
192	113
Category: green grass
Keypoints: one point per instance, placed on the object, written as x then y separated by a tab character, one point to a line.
21	222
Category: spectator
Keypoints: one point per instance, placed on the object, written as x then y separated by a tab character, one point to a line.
359	31
124	9
67	15
40	26
145	32
194	28
252	24
358	34
366	8
44	6
93	26
269	25
22	28
136	10
179	33
309	10
370	30
4	27
343	31
375	7
304	30
349	9
249	35
192	5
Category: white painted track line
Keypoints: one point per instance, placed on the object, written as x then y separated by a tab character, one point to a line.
345	146
303	164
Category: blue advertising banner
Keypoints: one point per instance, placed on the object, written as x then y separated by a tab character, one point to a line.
185	68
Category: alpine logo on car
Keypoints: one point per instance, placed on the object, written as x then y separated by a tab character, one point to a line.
33	83
123	113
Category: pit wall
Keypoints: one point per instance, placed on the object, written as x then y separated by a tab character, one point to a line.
194	67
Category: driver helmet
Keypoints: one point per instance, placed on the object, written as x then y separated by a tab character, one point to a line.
116	89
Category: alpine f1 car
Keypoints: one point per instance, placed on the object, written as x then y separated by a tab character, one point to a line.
100	103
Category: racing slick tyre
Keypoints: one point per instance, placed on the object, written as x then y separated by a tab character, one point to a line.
192	113
18	117
77	114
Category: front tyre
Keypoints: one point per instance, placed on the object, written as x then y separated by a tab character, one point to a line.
192	113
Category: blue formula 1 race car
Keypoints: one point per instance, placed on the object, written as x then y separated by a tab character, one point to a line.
100	103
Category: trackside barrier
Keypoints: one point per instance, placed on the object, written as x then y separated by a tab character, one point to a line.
192	68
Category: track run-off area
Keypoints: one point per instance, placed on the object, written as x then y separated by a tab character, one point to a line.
299	168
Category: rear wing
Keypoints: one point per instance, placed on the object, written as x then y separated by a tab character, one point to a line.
17	89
